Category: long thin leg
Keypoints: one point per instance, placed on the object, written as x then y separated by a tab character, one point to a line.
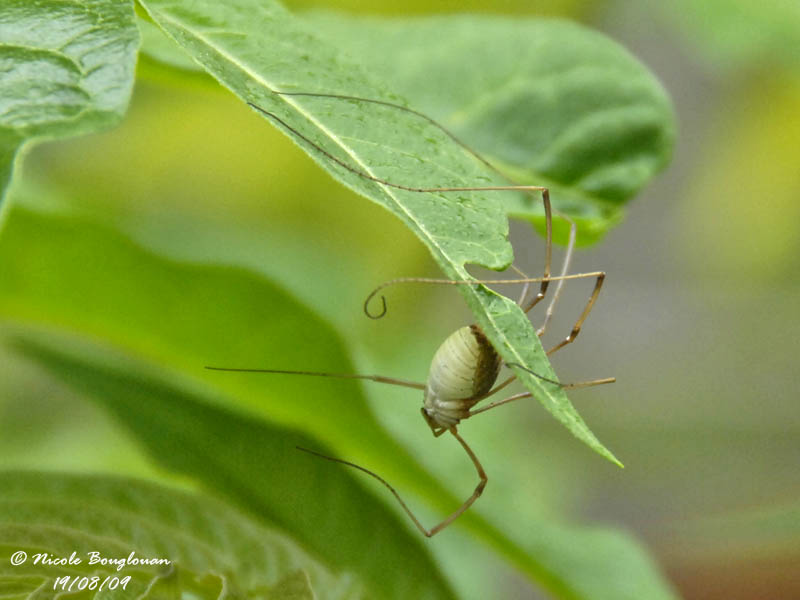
551	307
408	188
428	280
564	268
593	382
545	281
430	120
457	513
576	329
600	275
500	402
560	284
525	288
548	257
378	378
566	386
548	253
553	301
475	495
482	159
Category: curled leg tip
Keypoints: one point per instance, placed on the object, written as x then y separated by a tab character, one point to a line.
379	315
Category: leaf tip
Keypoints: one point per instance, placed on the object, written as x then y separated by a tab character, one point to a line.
607	454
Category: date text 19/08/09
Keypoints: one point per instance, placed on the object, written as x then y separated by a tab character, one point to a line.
95	558
68	583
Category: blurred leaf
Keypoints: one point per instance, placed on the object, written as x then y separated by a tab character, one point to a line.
215	551
66	68
75	275
256	465
551	102
734	34
69	274
294	586
255	48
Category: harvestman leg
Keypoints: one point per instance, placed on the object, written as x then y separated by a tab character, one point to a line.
600	275
566	386
453	516
404	383
556	294
544	191
548	315
544	284
576	329
564	268
545	281
378	378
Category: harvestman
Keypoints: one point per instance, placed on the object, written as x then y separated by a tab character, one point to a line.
465	368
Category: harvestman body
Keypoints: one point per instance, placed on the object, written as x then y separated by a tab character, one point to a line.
465	368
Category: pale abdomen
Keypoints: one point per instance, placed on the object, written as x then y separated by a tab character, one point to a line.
463	369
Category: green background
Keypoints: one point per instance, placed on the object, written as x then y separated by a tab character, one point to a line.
697	320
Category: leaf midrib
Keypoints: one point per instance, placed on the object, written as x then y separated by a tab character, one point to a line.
311	118
482	304
457	269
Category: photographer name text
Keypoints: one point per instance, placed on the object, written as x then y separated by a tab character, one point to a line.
90	558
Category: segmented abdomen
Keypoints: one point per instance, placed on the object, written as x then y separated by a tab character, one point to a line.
464	367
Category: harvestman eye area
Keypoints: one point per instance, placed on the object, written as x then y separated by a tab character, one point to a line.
465	368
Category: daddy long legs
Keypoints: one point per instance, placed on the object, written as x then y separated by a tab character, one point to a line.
465	368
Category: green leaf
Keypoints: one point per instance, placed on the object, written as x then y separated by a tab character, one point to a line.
255	48
64	273
294	586
66	68
214	550
551	102
737	34
67	273
254	463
